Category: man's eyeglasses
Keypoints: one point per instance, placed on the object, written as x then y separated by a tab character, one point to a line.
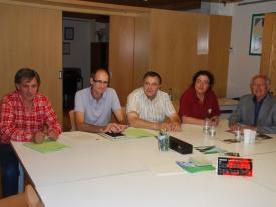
101	82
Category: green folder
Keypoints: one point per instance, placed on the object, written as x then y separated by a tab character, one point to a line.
199	168
191	167
45	147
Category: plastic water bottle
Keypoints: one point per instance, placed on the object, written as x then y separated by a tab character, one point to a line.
163	141
238	133
212	131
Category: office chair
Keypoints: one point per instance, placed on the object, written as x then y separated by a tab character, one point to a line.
27	199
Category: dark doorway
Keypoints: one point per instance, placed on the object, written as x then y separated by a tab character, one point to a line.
99	55
85	48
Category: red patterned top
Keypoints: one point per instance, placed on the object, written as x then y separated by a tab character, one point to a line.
18	124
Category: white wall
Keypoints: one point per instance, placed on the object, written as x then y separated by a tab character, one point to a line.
226	9
243	66
79	48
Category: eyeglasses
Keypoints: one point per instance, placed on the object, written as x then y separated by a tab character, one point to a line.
101	82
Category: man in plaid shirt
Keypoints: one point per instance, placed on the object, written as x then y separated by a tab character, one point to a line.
27	116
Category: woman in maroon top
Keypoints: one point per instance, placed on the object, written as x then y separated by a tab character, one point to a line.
199	101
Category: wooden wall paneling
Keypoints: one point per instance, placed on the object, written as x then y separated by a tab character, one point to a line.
219	44
121	46
202	42
31	37
268	58
268	65
141	49
272	63
173	47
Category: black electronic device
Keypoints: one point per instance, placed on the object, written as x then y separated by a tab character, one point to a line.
114	134
180	146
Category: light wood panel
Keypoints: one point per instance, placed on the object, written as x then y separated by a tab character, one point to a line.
141	50
31	37
272	65
268	59
266	43
121	47
219	44
174	50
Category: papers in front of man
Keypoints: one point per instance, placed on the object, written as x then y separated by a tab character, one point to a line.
139	133
130	132
45	147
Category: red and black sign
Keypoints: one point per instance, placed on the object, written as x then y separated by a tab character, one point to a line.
235	166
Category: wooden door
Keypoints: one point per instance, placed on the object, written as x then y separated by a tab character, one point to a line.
121	46
268	59
31	37
219	44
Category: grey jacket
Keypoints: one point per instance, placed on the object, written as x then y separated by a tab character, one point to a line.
245	111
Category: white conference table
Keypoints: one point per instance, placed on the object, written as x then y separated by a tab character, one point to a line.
193	134
145	189
94	171
265	170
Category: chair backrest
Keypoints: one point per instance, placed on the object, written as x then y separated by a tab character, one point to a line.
31	197
72	120
27	199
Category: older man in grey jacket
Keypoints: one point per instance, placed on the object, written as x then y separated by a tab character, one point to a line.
256	111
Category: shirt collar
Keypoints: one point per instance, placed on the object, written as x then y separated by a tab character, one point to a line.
102	98
155	98
21	99
206	95
261	101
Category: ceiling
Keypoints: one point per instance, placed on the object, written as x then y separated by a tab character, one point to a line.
160	4
163	4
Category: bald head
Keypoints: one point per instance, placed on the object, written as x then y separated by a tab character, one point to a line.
99	70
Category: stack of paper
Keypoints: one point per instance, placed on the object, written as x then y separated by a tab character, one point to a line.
46	146
139	133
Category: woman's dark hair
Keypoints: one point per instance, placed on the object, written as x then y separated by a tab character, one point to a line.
27	73
206	73
153	74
